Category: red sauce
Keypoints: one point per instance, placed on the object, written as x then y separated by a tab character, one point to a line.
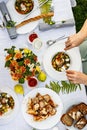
32	82
33	36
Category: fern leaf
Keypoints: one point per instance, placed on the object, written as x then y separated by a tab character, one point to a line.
65	87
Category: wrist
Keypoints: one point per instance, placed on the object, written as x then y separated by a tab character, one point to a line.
85	80
82	36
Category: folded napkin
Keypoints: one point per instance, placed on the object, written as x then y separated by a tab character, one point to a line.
12	30
44	26
62	16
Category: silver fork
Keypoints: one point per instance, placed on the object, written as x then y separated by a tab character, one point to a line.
40	5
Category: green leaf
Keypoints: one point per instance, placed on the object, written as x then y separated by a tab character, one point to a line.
46	8
7	63
65	87
21	63
21	80
10	24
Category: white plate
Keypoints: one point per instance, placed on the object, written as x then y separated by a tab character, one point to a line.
10	116
51	51
49	122
19	17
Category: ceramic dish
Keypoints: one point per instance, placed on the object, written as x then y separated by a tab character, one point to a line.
75	61
50	121
24	6
18	18
10	115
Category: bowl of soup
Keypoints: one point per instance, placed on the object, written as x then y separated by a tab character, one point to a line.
24	6
60	61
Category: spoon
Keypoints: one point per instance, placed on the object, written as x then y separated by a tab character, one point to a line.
50	42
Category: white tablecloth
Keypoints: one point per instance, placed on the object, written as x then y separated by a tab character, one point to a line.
64	11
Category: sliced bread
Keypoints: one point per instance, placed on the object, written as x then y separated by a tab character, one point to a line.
66	120
81	123
82	107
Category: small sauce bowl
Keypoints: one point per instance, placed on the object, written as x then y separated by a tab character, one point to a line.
32	82
35	41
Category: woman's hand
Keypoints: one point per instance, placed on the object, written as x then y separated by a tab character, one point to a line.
78	38
76	77
73	41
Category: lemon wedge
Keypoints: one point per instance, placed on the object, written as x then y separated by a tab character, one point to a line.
18	88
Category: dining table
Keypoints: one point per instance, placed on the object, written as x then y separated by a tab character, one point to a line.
62	11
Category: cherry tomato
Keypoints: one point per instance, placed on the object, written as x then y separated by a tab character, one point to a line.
33	36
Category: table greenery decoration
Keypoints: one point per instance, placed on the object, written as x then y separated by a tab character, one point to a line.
22	63
46	8
63	86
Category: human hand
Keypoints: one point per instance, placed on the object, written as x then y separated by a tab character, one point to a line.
73	41
76	77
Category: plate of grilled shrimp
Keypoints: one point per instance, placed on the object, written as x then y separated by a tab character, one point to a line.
42	108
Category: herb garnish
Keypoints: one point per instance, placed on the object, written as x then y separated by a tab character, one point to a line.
10	24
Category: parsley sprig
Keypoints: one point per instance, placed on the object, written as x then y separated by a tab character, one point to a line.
10	24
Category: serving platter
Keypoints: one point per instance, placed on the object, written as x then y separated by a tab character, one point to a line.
75	60
50	121
18	18
9	116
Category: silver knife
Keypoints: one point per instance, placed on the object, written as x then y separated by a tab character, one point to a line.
44	26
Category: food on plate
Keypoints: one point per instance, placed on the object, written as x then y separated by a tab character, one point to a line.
75	116
81	123
24	6
74	113
83	108
41	107
61	61
67	120
6	103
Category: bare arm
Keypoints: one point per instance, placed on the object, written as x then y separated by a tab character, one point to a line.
76	77
78	38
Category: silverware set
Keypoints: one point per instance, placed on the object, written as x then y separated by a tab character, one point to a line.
51	42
